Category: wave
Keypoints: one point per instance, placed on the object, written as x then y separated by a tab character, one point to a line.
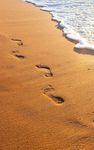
53	8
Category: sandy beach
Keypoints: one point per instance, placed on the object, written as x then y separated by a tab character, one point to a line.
46	86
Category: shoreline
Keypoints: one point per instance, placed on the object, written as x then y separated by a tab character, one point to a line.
46	89
80	42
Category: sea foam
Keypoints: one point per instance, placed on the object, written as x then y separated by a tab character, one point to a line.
75	19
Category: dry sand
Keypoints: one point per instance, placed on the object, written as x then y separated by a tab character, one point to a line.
46	87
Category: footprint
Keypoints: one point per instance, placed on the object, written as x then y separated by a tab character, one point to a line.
75	122
19	42
55	98
19	56
48	72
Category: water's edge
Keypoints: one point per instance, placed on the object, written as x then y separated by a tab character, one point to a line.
80	43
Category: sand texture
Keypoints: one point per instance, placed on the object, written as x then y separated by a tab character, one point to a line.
46	86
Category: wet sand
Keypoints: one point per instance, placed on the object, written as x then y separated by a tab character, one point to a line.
46	86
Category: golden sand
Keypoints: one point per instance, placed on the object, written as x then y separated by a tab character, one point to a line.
46	87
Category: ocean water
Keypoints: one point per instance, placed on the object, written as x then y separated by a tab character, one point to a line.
75	18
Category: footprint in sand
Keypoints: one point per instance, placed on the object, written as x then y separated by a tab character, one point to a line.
46	69
55	98
18	41
18	55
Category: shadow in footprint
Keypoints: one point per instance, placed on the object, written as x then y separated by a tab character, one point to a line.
19	56
19	42
48	72
55	98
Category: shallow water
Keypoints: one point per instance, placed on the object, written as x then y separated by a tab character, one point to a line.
75	17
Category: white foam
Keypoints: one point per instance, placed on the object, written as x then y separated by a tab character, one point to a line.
69	21
84	46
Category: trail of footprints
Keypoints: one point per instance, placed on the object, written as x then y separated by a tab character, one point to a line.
16	52
48	90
